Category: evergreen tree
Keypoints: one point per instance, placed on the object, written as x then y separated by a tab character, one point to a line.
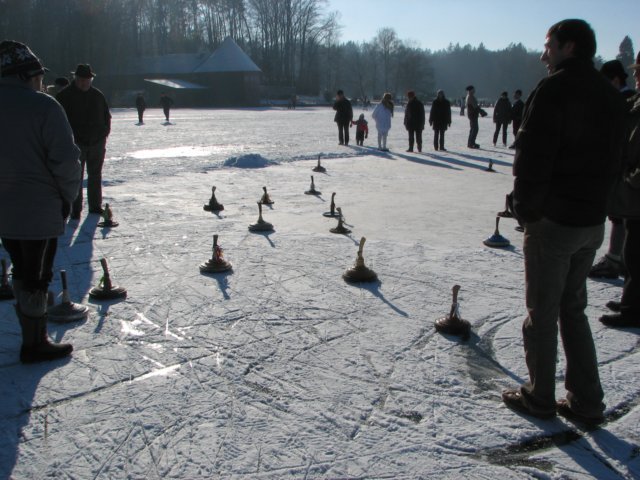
626	55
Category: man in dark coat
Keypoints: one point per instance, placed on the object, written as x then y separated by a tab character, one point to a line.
440	120
627	206
414	120
39	180
502	117
568	154
90	119
611	264
343	117
516	114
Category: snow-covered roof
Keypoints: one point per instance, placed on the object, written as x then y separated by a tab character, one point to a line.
228	57
174	83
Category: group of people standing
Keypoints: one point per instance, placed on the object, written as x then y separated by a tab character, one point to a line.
414	120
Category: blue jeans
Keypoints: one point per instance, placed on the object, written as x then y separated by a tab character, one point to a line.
557	261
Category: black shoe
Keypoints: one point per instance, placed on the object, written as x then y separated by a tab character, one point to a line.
613	305
513	399
442	149
606	268
409	150
565	410
620	320
512	146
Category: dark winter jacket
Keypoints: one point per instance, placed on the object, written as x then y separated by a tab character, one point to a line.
516	110
626	202
39	166
344	112
502	111
568	148
473	109
440	115
414	115
88	114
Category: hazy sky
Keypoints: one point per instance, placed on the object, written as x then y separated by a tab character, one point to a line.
433	24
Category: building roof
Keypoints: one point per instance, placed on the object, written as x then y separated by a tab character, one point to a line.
228	57
174	83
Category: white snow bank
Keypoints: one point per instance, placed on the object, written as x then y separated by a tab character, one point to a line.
252	160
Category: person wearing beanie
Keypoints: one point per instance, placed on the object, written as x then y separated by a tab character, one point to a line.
626	205
414	120
40	178
611	264
502	117
90	119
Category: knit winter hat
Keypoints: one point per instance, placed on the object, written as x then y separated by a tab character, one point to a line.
17	59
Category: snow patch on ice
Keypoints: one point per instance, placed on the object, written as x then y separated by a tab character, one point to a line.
251	160
182	151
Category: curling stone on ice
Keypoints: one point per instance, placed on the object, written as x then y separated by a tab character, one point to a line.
67	311
319	168
453	324
107	218
506	213
261	225
360	272
6	290
213	205
496	240
216	263
105	289
312	189
265	199
490	167
332	210
340	228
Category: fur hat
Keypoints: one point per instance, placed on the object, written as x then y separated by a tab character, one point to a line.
613	69
18	59
84	71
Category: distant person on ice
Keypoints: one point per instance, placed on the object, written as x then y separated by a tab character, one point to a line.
567	157
166	103
502	117
90	119
40	178
343	117
141	106
382	115
414	120
516	114
362	129
473	112
440	120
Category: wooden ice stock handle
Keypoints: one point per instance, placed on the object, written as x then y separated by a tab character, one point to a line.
455	289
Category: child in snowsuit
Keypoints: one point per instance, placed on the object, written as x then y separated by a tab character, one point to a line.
362	129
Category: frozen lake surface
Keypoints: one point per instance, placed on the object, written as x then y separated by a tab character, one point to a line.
280	369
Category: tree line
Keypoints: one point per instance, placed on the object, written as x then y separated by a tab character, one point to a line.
296	43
